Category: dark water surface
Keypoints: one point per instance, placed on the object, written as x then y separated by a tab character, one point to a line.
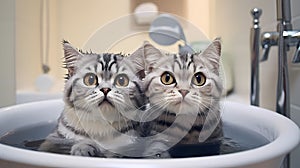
235	140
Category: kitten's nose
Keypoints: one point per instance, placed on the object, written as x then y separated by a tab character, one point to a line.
183	92
105	90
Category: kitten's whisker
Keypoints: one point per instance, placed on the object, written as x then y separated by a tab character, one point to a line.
122	121
154	109
80	115
211	115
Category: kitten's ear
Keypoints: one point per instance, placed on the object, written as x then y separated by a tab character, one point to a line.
71	56
152	55
138	62
145	58
213	53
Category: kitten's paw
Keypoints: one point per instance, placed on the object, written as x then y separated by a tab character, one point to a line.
86	148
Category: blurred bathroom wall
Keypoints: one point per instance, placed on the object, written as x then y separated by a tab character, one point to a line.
7	51
28	44
75	21
70	20
294	74
294	70
232	21
234	27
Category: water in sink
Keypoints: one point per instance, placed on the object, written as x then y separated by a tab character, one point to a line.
235	139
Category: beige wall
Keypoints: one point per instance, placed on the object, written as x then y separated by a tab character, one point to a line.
76	21
232	21
72	20
198	13
28	43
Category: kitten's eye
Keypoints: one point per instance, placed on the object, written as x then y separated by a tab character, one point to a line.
167	78
122	80
199	79
90	79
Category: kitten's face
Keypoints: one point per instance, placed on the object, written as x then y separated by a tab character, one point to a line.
184	83
102	85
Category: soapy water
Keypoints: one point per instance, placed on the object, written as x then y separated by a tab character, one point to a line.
235	139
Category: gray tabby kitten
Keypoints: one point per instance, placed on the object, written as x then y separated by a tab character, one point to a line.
184	93
100	90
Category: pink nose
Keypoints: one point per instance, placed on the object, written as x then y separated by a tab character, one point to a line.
183	92
105	90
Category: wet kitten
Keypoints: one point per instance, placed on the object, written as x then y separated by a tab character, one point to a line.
102	95
184	93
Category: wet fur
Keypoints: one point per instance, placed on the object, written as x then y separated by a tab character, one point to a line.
198	107
93	116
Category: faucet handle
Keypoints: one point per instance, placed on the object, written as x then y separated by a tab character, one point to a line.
265	55
296	58
268	39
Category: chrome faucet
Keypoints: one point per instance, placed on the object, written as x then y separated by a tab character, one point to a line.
271	39
254	46
284	38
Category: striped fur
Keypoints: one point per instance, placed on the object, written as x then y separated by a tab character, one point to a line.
198	106
95	115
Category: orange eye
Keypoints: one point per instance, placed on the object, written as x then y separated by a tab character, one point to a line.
122	80
199	79
167	78
90	79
